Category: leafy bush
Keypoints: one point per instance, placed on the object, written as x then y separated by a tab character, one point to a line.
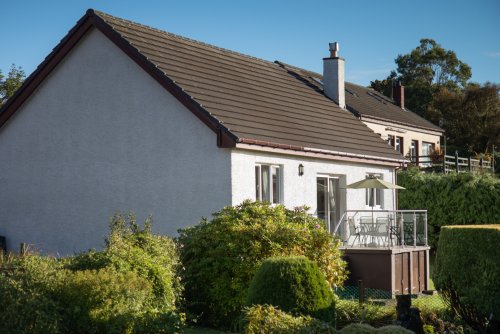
129	287
350	311
452	199
27	286
102	301
367	329
294	285
221	256
132	248
467	272
269	319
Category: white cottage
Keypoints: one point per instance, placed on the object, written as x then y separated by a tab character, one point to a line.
121	116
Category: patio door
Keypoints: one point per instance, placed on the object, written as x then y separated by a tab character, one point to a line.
328	200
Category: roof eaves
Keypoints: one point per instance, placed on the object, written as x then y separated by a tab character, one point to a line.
364	116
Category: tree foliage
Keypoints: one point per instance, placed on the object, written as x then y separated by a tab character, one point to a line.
10	84
437	88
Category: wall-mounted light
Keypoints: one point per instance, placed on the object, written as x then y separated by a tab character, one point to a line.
301	169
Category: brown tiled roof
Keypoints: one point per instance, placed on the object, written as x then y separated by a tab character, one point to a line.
249	100
367	102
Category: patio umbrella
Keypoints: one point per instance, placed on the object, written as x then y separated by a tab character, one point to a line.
373	183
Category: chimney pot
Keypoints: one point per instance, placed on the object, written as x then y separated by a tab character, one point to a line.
334	49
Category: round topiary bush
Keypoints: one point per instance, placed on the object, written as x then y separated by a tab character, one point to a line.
295	285
220	257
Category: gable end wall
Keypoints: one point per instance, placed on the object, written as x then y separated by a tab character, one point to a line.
100	135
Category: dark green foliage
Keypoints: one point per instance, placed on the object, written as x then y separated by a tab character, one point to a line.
467	272
220	257
130	287
269	319
453	199
294	285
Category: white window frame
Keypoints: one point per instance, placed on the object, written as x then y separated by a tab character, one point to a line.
379	195
258	183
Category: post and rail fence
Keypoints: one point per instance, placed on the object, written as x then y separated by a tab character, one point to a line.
453	163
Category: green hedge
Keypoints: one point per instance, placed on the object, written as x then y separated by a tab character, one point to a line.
467	272
452	199
294	285
221	256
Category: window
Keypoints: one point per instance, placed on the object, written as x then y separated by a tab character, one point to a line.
427	149
414	151
390	140
374	197
268	183
399	144
328	197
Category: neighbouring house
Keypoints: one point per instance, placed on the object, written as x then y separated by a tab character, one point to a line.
408	133
121	116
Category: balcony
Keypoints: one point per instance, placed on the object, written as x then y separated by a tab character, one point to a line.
382	228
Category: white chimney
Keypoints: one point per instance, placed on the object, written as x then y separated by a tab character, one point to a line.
333	76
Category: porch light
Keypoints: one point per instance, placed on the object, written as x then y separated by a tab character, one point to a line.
301	169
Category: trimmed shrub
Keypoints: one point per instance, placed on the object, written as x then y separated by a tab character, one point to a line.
467	272
221	256
349	311
452	199
269	319
294	285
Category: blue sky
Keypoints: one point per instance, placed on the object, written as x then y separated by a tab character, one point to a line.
371	33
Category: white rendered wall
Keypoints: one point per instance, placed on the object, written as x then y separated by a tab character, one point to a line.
98	136
301	190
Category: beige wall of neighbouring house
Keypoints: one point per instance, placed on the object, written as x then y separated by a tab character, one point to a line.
406	132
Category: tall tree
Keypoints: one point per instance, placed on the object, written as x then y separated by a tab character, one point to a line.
423	71
11	84
471	117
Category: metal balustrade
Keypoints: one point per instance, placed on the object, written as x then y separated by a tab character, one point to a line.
382	228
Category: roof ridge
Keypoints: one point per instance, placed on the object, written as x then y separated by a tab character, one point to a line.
187	39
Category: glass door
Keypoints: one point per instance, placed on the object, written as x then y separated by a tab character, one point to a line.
328	200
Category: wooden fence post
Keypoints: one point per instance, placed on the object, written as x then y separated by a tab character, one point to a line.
23	249
456	162
361	292
469	164
444	163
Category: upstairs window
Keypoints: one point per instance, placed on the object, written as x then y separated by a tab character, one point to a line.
399	144
390	140
268	183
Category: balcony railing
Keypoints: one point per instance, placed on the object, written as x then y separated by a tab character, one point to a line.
383	228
